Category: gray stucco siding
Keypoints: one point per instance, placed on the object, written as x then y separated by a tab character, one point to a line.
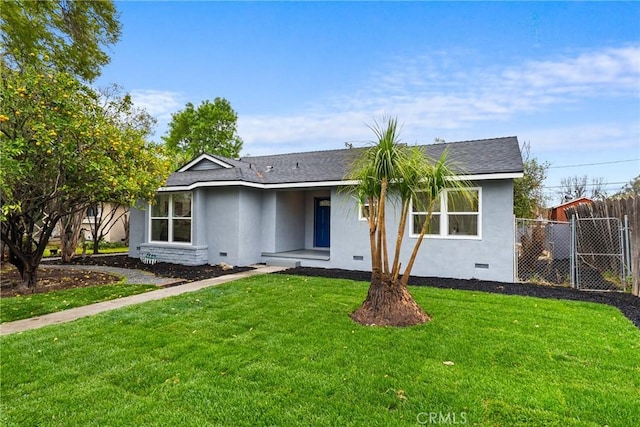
289	219
487	258
222	224
138	229
237	224
250	227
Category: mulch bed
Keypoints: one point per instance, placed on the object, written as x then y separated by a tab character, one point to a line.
628	304
163	269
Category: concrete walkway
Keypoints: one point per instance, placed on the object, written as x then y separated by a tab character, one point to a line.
89	310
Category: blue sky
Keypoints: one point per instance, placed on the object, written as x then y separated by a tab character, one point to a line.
302	76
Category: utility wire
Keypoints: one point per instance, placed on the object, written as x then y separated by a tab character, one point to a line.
604	184
594	164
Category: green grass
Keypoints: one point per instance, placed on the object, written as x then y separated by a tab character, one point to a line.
281	350
89	251
24	307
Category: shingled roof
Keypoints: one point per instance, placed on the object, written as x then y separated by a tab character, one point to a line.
476	158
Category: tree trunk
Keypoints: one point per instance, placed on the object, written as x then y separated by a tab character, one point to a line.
389	303
71	229
29	280
28	273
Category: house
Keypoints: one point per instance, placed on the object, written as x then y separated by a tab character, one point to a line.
557	212
290	209
112	220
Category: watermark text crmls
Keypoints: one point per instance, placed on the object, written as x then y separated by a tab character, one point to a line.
442	418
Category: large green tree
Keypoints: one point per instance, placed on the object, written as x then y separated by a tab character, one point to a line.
209	128
60	152
528	195
392	172
118	109
69	36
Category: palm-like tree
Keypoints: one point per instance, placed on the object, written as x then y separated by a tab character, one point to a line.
390	171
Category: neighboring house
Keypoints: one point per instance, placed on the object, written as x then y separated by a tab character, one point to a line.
557	212
114	217
290	209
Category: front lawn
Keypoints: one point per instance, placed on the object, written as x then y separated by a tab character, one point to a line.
26	306
281	350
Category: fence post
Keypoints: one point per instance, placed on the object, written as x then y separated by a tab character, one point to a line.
572	252
515	249
627	251
633	206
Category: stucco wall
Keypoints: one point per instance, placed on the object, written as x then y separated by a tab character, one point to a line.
235	225
137	229
488	258
222	224
290	216
250	227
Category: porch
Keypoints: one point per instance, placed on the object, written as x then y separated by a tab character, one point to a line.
295	258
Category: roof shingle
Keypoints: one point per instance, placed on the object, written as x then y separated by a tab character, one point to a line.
478	157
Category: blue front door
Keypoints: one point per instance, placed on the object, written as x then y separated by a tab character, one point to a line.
322	223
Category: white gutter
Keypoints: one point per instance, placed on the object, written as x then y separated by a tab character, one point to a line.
307	184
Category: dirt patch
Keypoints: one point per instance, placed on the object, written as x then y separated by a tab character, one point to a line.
628	304
53	279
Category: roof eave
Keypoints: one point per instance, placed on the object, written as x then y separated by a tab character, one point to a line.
312	184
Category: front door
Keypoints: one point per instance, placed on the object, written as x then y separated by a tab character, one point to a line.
322	223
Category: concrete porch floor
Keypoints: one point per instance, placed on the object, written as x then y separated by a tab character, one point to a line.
317	254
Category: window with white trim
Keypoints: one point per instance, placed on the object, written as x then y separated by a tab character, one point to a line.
171	218
363	211
454	214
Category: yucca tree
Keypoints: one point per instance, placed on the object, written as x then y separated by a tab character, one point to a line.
392	172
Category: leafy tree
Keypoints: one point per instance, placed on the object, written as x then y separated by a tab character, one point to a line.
118	109
209	128
574	187
60	152
389	171
70	36
631	188
528	196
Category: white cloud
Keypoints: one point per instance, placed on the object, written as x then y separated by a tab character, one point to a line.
437	94
621	137
160	104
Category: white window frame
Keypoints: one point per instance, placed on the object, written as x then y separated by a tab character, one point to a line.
361	215
170	218
444	218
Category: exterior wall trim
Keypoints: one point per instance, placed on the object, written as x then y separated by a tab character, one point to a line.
318	183
204	157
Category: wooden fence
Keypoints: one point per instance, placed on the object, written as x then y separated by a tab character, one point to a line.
617	208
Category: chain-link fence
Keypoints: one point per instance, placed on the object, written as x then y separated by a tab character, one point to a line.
543	251
589	253
599	254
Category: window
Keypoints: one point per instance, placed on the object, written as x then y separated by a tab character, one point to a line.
363	211
171	218
92	212
454	214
